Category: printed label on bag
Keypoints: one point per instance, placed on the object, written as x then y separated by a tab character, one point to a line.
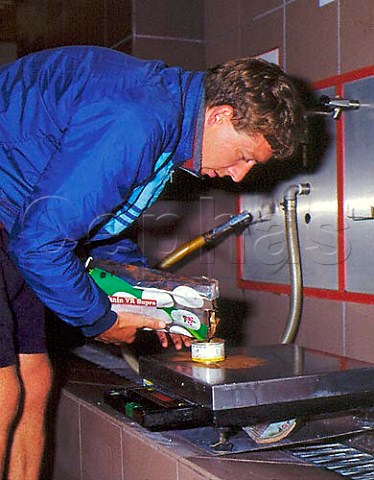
138	302
186	318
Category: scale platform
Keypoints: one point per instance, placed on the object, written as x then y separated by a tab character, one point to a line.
254	384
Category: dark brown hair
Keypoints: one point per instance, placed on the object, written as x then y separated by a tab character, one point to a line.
264	100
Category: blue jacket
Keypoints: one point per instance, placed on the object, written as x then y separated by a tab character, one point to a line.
88	138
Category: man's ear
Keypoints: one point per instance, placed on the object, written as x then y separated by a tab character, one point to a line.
219	114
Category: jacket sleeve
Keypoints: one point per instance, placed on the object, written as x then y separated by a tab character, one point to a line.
122	251
104	152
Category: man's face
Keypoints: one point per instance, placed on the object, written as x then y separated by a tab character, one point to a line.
226	152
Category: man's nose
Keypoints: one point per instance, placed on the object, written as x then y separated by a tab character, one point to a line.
239	171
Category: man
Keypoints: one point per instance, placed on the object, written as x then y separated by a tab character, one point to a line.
88	139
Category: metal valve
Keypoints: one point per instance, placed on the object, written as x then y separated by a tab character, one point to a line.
337	105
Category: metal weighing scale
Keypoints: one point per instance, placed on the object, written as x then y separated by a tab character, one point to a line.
251	385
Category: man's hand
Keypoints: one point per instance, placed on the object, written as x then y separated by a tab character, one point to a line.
178	340
125	327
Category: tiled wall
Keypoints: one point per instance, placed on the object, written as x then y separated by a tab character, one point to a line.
170	29
315	42
38	24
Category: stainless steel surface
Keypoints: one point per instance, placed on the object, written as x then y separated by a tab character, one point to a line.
347	461
278	381
359	191
313	434
263	245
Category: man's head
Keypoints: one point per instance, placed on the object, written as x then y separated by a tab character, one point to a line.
252	113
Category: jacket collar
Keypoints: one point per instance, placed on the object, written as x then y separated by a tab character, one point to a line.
188	153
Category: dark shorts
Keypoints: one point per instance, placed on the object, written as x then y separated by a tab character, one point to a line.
22	328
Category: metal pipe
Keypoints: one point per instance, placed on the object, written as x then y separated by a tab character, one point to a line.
178	254
289	205
234	223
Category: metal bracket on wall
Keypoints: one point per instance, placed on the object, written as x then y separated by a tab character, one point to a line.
361	218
